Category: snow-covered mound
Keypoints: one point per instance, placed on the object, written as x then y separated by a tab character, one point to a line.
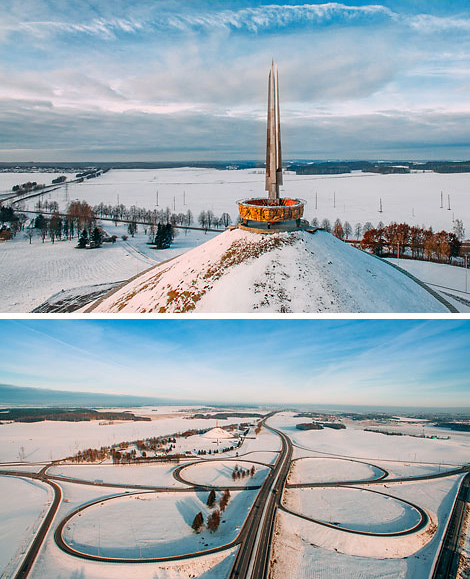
240	271
216	434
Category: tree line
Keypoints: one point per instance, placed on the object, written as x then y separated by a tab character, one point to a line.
419	242
206	219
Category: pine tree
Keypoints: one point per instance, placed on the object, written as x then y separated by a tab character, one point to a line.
198	522
97	237
211	499
83	239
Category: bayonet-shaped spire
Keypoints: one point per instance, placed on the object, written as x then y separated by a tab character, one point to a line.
273	141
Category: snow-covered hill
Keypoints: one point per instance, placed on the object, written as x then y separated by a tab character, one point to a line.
240	271
216	434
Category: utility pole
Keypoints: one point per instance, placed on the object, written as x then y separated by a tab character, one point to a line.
184	197
448	202
174	203
441	201
466	272
334	199
316	200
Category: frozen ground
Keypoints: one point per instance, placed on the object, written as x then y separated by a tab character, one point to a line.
159	475
51	440
315	470
23	504
157	525
356	195
356	443
239	271
219	473
353	508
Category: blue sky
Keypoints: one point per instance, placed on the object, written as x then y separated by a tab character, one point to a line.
163	79
372	362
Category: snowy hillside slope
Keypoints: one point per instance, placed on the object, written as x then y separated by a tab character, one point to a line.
240	271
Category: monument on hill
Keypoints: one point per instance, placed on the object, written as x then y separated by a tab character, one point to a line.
274	213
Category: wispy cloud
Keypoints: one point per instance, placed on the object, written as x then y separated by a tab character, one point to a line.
252	19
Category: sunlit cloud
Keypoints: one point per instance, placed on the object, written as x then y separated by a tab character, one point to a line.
205	63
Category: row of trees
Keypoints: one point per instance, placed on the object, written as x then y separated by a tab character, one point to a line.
213	520
239	472
345	230
207	219
420	243
26	187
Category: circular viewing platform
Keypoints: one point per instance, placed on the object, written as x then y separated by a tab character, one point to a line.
271	214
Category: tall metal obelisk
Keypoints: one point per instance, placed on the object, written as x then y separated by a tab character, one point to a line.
273	142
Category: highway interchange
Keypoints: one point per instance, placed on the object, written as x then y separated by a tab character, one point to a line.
255	538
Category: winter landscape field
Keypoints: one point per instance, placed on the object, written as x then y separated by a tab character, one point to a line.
354	503
33	271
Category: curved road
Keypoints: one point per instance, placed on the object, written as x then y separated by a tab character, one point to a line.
38	540
421	524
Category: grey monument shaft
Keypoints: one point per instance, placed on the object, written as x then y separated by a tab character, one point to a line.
273	141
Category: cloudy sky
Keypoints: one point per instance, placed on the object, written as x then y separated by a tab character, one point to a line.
180	79
372	362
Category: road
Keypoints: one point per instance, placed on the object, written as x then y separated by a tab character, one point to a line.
252	560
38	540
448	560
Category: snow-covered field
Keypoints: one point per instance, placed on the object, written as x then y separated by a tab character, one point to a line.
23	504
158	475
219	473
355	195
32	273
8	180
53	440
354	442
353	508
314	470
157	525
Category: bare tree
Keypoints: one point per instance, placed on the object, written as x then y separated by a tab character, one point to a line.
358	231
213	521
